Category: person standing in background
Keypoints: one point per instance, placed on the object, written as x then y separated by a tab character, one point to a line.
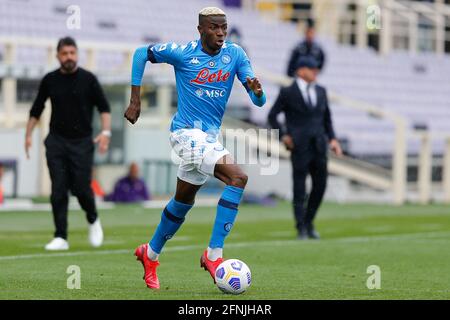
73	92
308	47
308	133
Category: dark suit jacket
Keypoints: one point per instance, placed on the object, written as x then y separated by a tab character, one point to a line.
305	49
310	128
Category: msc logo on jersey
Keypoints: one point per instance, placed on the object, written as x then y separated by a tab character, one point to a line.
226	59
214	93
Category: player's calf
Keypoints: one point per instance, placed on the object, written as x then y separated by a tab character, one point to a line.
172	218
227	210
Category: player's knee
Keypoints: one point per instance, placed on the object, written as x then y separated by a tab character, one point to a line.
239	180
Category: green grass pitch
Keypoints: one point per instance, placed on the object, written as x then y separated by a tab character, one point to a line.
410	244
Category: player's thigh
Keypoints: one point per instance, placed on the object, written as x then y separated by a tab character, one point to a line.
229	172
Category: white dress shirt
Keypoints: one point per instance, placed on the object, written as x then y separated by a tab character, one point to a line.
303	85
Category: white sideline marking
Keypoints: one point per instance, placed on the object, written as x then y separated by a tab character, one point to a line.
417	235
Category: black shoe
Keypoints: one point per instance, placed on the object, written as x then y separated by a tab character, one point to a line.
302	234
312	233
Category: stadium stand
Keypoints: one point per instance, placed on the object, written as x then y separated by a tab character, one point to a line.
397	82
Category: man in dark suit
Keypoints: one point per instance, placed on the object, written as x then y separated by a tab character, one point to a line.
307	134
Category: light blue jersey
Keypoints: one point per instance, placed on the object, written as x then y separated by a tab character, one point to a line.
203	82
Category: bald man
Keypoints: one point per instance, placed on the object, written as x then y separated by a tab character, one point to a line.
130	188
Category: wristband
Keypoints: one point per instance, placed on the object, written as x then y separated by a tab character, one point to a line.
106	133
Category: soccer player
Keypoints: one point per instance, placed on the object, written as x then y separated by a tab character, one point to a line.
204	71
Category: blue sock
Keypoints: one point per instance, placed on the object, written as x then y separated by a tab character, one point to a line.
227	210
172	218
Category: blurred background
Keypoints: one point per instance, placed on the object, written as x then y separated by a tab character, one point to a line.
386	68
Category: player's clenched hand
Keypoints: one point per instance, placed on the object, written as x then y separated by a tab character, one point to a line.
255	86
133	111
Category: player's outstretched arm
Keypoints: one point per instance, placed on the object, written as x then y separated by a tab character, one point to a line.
134	108
256	92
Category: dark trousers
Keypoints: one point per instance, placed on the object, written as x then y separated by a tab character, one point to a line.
70	164
303	163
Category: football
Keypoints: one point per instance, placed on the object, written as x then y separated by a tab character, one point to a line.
233	276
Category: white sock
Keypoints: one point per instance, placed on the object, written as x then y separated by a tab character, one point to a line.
214	254
152	255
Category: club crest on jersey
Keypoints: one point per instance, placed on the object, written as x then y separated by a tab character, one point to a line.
226	59
199	92
204	76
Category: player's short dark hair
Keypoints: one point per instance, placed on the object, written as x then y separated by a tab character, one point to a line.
66	41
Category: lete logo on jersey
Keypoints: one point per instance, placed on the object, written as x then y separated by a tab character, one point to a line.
204	76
